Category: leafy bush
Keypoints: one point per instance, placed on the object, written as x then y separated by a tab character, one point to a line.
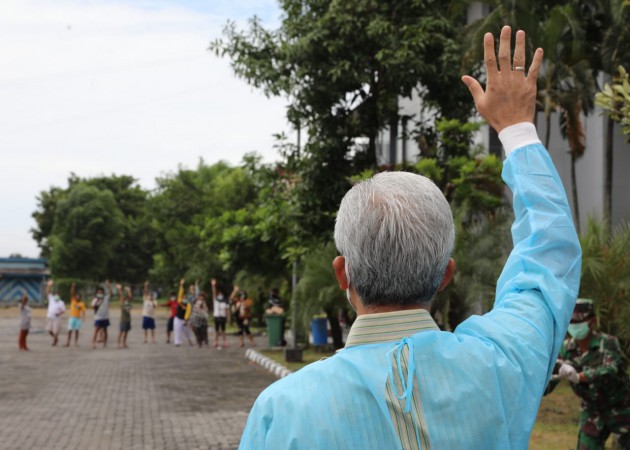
606	276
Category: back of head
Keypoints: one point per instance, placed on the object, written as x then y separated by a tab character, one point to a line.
396	232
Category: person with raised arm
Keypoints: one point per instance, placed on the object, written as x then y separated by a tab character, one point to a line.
77	315
100	304
56	308
182	314
401	382
221	313
148	313
125	296
199	317
25	321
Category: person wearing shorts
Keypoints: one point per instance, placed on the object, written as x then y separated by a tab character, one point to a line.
148	313
221	310
56	308
77	316
125	314
100	303
171	303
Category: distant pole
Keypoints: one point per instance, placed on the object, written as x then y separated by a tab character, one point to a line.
294	274
299	138
294	304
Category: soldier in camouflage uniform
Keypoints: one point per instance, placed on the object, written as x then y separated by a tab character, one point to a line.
595	366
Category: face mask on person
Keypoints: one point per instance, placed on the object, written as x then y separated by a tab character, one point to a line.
100	295
578	330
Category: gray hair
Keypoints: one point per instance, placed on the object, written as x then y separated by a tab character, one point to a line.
396	232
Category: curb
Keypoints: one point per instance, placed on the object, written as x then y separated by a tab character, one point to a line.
277	369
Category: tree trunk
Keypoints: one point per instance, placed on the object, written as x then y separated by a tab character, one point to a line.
371	151
547	130
393	139
574	194
335	328
608	172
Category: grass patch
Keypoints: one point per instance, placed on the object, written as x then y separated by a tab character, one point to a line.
556	425
309	356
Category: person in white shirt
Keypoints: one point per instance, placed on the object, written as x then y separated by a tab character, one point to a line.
56	308
100	303
221	311
148	313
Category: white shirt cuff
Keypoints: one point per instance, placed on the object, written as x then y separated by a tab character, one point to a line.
517	136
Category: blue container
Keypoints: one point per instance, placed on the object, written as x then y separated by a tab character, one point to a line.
319	329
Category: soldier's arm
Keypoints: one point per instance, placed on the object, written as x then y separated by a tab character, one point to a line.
610	363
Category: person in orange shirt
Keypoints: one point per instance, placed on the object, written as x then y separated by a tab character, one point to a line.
77	315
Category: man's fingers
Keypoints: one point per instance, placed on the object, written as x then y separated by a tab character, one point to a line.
489	57
474	87
518	63
504	49
532	75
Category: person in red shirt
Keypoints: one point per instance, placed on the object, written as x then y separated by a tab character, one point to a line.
170	303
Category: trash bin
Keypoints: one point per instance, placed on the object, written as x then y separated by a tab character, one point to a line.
319	330
275	330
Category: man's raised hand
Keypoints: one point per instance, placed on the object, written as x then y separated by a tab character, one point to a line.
510	94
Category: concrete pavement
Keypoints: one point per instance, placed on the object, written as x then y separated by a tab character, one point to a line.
150	396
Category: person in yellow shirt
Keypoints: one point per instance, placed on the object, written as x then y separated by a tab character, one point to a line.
77	316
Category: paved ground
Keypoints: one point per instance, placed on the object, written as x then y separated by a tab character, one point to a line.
147	396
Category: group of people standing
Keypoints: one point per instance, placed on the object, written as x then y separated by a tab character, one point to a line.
187	313
191	313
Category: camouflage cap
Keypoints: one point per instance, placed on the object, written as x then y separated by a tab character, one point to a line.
584	310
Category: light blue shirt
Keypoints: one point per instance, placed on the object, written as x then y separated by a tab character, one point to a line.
480	386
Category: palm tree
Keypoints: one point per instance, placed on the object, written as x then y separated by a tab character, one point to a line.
606	276
612	17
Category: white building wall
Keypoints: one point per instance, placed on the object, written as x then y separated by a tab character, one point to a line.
590	170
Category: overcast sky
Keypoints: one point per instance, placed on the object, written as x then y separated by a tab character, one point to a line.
127	87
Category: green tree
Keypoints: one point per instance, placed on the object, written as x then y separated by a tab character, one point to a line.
45	218
194	213
88	226
132	257
343	67
351	59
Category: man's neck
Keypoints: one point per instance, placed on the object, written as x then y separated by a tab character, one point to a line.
583	344
375	309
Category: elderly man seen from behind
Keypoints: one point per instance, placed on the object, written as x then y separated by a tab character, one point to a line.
401	382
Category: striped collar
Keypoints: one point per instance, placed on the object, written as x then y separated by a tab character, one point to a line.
389	326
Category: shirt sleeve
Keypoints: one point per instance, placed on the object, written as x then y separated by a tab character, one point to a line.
538	286
517	136
611	361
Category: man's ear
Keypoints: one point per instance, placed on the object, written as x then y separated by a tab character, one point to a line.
339	265
448	274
